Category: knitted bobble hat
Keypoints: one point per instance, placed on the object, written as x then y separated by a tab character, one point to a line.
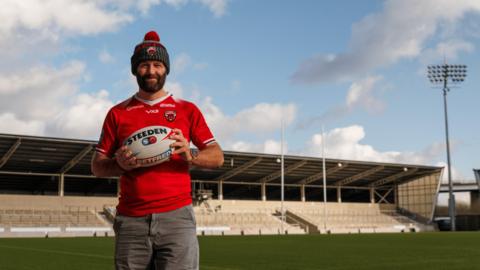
150	49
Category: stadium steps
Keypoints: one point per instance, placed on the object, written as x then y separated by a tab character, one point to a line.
296	221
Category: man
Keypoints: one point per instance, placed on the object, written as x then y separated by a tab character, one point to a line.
155	222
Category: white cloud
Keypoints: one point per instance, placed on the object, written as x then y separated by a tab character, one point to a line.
46	101
9	123
345	143
105	57
257	122
446	50
69	17
144	6
33	29
183	62
175	88
83	117
176	3
268	147
41	91
361	94
274	147
399	31
242	146
261	119
217	7
200	66
457	176
265	116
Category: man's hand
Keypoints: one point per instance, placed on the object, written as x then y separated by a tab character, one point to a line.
125	159
181	146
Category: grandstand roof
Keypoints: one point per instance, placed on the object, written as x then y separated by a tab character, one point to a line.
44	156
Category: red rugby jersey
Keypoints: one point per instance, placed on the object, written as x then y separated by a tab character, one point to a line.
166	186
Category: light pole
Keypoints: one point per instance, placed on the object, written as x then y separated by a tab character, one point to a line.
282	175
324	173
442	75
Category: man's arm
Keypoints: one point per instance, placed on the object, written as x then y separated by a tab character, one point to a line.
103	166
209	157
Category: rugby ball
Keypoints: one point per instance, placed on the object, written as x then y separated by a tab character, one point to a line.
150	145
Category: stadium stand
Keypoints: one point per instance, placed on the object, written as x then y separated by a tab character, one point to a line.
22	215
302	216
46	187
242	218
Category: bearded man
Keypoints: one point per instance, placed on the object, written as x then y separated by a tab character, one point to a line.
155	224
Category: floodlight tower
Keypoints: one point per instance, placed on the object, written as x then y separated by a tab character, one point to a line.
438	75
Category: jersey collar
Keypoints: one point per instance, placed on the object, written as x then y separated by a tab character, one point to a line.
152	102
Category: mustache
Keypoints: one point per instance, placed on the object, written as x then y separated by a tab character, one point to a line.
144	77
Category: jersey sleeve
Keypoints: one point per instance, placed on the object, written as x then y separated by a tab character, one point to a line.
200	133
108	139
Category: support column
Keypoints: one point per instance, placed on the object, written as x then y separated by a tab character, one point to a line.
474	201
372	195
61	185
302	193
264	192
220	190
339	194
395	194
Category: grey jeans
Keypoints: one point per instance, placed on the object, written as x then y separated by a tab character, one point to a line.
163	241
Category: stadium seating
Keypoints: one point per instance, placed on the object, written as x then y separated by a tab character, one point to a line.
310	216
52	215
55	215
353	217
50	218
246	222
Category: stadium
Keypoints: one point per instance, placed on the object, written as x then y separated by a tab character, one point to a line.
48	191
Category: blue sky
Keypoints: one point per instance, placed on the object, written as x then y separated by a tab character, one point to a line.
356	67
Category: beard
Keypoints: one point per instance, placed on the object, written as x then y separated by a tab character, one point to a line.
151	87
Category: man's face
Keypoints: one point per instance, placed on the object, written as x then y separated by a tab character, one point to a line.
151	76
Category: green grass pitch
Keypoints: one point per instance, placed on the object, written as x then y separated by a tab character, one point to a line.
356	251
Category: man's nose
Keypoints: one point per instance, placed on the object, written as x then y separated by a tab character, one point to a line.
150	69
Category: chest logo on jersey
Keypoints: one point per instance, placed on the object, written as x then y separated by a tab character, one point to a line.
134	107
167	105
152	111
170	115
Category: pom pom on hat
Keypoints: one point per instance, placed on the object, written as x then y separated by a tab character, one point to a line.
151	36
150	49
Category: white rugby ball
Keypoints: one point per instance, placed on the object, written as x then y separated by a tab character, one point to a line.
150	145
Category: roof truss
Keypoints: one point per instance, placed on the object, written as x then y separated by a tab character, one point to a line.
359	176
240	169
318	176
10	152
76	159
394	177
277	173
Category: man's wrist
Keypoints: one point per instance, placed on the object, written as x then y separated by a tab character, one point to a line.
119	168
193	155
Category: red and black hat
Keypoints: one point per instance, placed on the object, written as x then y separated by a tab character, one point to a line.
150	49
